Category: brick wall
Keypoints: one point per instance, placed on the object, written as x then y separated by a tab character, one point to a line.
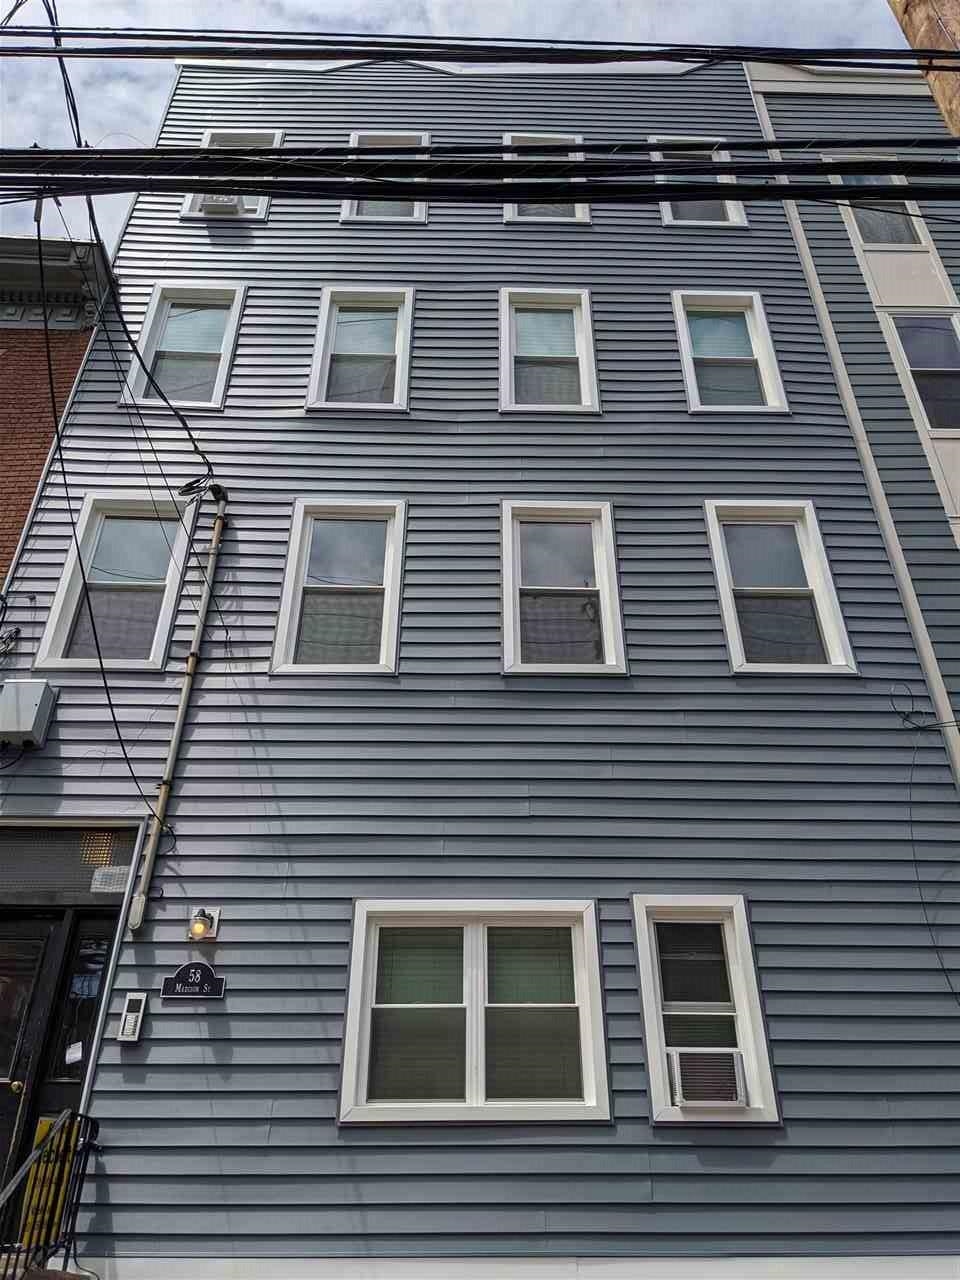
26	423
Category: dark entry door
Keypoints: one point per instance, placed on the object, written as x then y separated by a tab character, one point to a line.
51	978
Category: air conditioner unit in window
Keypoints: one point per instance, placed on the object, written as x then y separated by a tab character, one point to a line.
707	1077
215	202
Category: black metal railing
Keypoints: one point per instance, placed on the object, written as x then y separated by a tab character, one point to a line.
39	1205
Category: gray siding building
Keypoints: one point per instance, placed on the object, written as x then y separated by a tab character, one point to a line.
562	777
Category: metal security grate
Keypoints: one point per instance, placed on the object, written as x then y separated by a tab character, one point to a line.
37	861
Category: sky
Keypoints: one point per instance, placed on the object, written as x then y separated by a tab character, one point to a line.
121	101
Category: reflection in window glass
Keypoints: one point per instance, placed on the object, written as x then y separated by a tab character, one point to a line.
932	349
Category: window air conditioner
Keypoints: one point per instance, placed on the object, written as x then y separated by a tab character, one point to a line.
214	202
707	1077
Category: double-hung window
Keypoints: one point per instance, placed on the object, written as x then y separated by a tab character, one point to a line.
341	592
705	1047
132	552
187	343
880	223
474	1010
930	344
703	211
362	353
545	210
546	351
561	605
230	206
362	209
779	606
727	354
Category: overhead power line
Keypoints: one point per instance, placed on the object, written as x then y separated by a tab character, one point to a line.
127	42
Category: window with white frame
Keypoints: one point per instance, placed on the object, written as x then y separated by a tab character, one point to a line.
211	204
546	351
545	210
882	223
931	347
364	210
187	342
727	353
341	592
706	1047
779	605
561	603
703	211
132	553
362	353
486	1010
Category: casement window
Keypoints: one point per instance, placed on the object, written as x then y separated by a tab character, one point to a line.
133	551
362	353
229	206
780	608
705	1043
930	348
545	210
363	210
882	223
546	351
561	602
474	1010
187	342
341	591
727	354
703	211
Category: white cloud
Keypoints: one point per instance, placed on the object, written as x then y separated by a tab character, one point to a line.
121	102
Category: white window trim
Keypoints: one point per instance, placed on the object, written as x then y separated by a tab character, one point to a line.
731	912
736	214
332	296
96	505
190	209
888	317
288	619
605	562
580	915
348	208
819	577
166	291
579	301
924	241
751	304
581	212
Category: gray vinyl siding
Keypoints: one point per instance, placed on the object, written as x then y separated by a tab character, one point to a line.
297	795
915	502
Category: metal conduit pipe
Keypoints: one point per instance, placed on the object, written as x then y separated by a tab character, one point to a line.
138	905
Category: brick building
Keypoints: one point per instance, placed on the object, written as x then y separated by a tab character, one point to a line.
26	424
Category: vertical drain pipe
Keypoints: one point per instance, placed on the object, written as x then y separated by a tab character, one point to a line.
138	905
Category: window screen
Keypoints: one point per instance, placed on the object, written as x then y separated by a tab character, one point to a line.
701	210
546	362
724	360
418	1017
187	355
933	353
363	356
388	209
561	618
886	221
341	615
699	1016
775	604
126	580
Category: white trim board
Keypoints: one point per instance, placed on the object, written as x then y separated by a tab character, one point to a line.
788	1268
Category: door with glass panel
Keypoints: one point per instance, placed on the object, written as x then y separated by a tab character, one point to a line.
52	966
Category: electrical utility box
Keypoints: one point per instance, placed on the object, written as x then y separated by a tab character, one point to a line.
26	708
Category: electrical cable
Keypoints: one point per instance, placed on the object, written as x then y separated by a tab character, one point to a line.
16	760
84	586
